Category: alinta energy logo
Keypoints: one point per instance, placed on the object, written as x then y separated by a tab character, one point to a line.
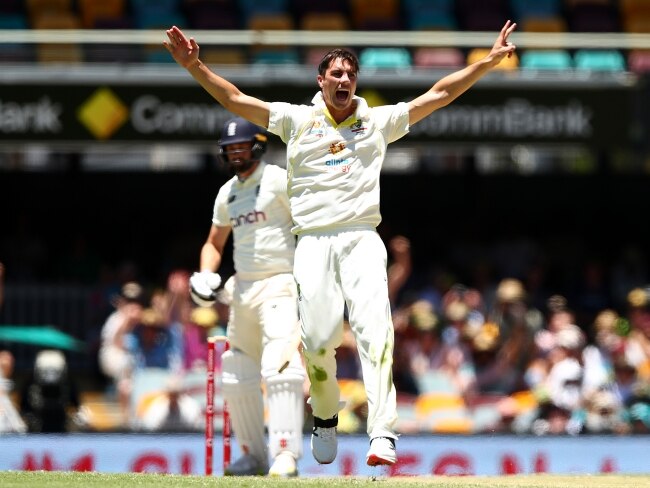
103	113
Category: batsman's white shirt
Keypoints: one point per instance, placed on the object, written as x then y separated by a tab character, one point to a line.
333	169
263	313
257	210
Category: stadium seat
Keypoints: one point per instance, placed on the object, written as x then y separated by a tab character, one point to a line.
13	21
160	20
276	56
270	21
438	57
487	15
211	14
12	7
264	6
388	57
638	24
524	9
56	20
429	14
430	19
477	54
543	24
252	8
479	20
574	3
446	5
141	7
37	7
553	59
324	21
375	14
593	18
224	55
599	60
313	55
632	9
301	7
638	61
91	10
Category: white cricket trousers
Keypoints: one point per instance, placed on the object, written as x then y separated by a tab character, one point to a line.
347	267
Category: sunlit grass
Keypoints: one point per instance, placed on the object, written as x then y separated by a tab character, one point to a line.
22	479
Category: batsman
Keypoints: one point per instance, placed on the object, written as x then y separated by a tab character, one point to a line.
263	323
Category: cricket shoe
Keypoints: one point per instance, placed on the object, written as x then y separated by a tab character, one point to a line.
284	466
323	440
246	465
381	452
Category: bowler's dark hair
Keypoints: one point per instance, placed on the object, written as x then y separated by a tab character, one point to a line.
343	54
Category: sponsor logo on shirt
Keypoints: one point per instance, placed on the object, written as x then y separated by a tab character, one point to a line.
316	129
334	162
252	217
357	127
338	165
337	147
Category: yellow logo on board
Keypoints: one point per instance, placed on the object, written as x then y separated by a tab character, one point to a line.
103	113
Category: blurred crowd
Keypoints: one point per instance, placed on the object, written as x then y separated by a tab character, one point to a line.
156	340
499	357
471	360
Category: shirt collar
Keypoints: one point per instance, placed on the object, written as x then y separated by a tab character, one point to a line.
255	175
360	113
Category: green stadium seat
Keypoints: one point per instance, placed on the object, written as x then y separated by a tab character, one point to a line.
13	21
273	56
599	60
388	57
546	59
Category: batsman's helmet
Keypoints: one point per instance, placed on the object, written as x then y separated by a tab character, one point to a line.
237	130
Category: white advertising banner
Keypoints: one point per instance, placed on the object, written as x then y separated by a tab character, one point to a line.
421	455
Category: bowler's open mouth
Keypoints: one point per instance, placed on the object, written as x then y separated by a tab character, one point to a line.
342	95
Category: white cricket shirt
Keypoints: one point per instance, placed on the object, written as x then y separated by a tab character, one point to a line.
257	210
333	169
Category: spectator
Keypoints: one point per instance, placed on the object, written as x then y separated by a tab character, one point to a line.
638	341
603	414
6	358
598	358
10	420
552	419
626	379
638	413
399	270
544	349
417	353
564	384
195	336
153	344
173	410
517	324
347	358
114	357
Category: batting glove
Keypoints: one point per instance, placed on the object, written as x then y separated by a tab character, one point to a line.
203	288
